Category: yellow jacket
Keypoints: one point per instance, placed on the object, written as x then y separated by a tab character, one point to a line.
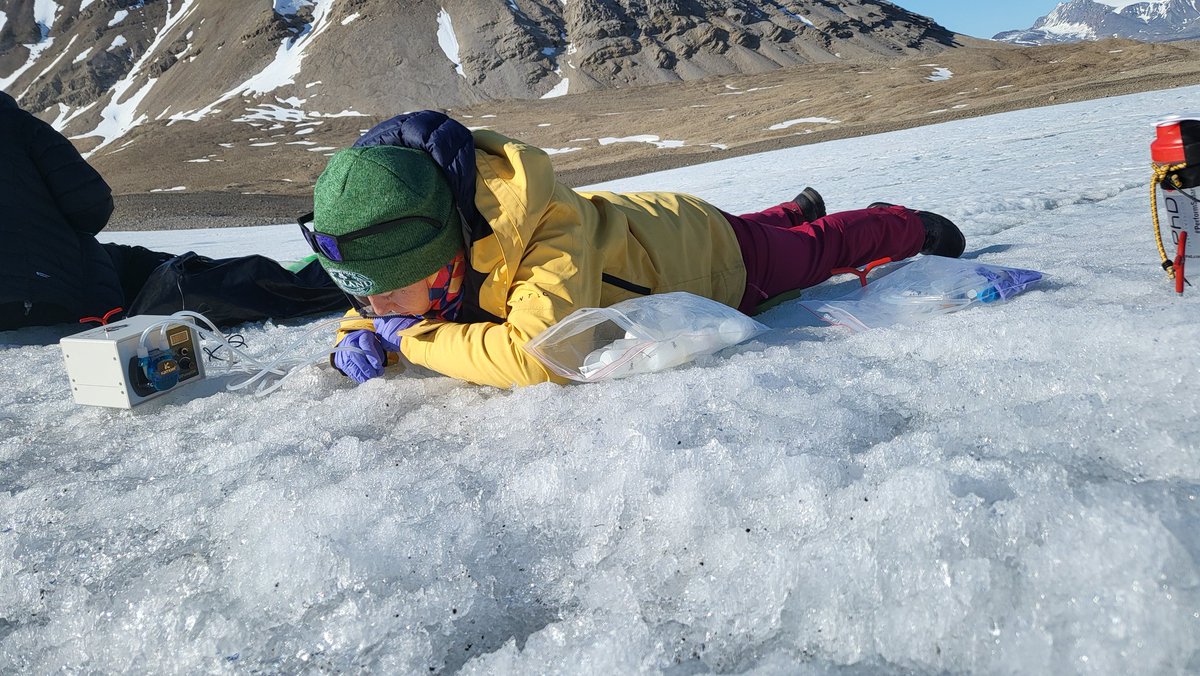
554	250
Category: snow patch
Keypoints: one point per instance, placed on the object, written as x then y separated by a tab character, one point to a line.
47	69
940	75
44	14
3	20
178	188
738	92
281	71
641	138
83	55
35	52
344	113
1079	31
64	119
448	41
350	19
117	17
559	89
290	7
120	115
118	41
802	120
559	151
1118	5
799	17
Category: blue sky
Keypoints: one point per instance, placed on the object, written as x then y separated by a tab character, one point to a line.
981	18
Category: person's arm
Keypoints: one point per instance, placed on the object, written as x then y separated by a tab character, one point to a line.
81	194
550	284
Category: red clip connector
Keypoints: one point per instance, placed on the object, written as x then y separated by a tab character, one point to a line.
861	274
103	321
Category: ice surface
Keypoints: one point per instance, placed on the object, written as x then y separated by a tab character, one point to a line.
1008	489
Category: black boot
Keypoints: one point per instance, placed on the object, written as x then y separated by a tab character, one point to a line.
811	204
942	237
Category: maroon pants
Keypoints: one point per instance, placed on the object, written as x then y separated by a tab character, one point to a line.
783	252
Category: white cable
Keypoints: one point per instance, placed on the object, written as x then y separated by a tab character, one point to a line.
282	366
262	391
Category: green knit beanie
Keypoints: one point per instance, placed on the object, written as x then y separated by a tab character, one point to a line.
361	187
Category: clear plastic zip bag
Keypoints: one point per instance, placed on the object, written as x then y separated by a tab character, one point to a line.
640	335
927	286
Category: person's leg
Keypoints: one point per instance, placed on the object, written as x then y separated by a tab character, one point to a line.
784	255
134	264
786	215
15	316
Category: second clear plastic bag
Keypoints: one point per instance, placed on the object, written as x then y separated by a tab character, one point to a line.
640	335
927	286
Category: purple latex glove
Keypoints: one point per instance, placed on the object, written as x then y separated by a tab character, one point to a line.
389	327
358	366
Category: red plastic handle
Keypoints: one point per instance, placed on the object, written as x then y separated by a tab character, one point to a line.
861	274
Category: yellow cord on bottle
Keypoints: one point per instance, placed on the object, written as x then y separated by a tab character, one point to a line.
1160	176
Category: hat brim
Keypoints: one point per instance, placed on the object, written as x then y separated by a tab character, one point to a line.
381	275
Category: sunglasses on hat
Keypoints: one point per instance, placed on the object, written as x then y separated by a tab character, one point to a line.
330	246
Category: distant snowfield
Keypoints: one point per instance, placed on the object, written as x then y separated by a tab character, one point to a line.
1008	489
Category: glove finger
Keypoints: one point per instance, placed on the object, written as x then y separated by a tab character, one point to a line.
375	359
390	343
369	343
360	370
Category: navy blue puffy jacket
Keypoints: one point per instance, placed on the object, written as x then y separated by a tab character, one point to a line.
52	203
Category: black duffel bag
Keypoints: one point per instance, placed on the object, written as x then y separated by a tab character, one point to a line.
232	291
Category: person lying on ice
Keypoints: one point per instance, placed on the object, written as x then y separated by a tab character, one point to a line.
457	248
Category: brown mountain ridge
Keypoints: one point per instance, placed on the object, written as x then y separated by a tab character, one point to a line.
244	181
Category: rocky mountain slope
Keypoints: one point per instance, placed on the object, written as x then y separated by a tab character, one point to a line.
1152	21
100	68
205	175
